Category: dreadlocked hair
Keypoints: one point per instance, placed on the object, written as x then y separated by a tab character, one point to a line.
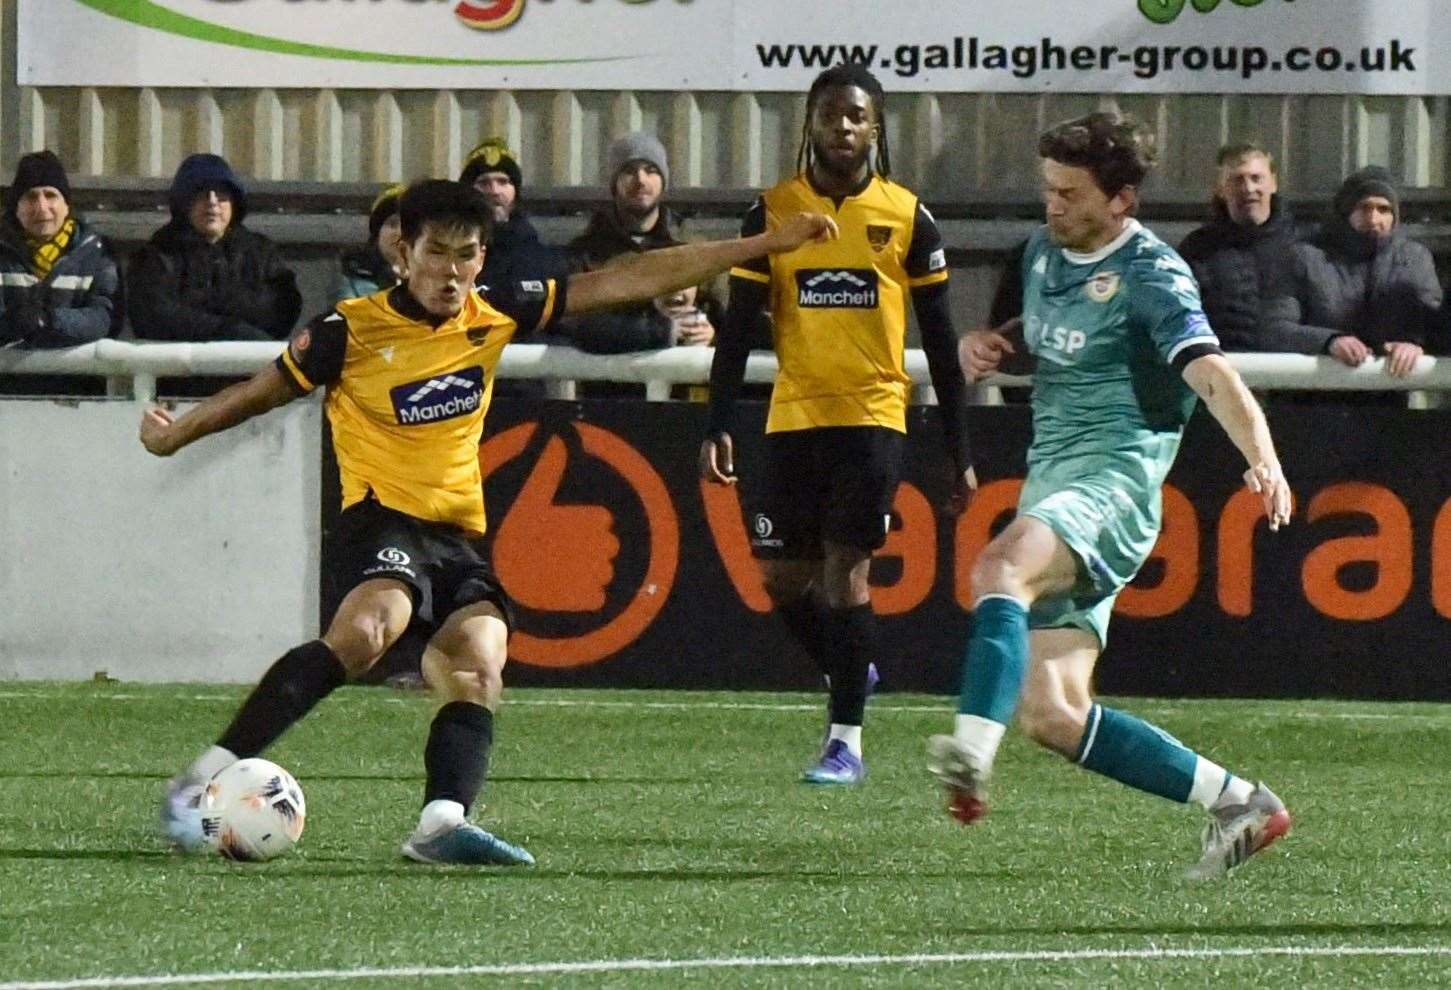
847	74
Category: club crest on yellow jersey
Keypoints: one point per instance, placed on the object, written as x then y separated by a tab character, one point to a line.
878	236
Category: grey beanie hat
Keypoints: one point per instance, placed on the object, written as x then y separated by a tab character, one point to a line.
638	146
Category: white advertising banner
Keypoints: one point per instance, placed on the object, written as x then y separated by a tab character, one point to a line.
1149	46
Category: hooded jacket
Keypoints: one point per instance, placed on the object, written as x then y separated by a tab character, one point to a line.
78	301
180	287
1378	289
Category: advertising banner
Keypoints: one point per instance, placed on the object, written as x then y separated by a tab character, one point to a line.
628	572
1149	46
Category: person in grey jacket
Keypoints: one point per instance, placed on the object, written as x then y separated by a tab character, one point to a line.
1363	279
59	285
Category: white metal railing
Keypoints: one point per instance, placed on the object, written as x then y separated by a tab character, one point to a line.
142	363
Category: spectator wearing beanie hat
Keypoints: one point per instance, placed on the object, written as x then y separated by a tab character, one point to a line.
514	252
1372	288
378	264
205	276
637	220
61	285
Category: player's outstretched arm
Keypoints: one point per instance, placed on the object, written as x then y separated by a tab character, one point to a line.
1230	402
656	273
164	434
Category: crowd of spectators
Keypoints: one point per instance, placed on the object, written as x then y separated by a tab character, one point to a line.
1355	287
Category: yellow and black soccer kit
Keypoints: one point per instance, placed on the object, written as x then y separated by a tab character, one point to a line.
406	399
838	410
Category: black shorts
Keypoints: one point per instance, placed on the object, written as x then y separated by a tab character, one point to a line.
439	562
832	483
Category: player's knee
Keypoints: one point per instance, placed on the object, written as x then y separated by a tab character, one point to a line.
997	572
471	675
1051	722
362	640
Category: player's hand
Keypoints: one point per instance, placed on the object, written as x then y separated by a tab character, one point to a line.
718	459
1401	358
692	329
964	487
1268	482
156	432
981	351
798	230
1349	350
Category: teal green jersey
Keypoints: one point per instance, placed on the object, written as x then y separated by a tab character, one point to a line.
1111	331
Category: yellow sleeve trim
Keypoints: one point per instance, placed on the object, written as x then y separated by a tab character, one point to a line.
295	371
551	295
932	279
746	273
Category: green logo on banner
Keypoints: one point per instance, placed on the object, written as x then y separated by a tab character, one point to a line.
147	14
1165	11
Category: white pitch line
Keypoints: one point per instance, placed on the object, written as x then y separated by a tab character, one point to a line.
732	962
767	706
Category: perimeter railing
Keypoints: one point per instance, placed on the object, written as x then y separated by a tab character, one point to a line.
132	368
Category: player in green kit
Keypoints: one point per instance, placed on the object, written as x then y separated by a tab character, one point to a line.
1122	347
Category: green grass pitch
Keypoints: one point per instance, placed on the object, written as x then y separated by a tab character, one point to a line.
670	829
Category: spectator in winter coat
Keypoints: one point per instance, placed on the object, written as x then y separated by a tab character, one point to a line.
59	284
637	220
1363	279
1244	259
514	252
204	276
375	265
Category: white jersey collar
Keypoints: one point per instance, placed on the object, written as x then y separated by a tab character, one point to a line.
1131	227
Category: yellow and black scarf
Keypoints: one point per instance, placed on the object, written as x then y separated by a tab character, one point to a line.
44	254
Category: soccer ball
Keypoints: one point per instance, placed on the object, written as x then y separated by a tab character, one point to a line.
252	810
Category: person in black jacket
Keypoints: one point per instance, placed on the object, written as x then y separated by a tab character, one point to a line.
59	284
1244	259
204	276
514	252
638	220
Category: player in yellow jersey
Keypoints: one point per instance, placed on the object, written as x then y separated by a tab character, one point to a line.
409	372
838	410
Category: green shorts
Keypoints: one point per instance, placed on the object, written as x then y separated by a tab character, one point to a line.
1110	527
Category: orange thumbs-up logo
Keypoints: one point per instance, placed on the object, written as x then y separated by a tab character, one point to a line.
539	535
560	557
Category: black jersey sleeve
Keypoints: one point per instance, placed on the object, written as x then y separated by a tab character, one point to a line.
926	260
534	304
754	222
314	354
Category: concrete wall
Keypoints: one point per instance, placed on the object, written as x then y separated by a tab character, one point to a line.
203	566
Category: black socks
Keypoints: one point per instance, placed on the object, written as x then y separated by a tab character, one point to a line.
304	676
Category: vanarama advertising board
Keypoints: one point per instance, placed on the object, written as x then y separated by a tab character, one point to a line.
1151	46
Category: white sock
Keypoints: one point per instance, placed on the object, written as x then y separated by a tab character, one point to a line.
439	815
1236	790
209	763
849	734
1209	778
980	737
